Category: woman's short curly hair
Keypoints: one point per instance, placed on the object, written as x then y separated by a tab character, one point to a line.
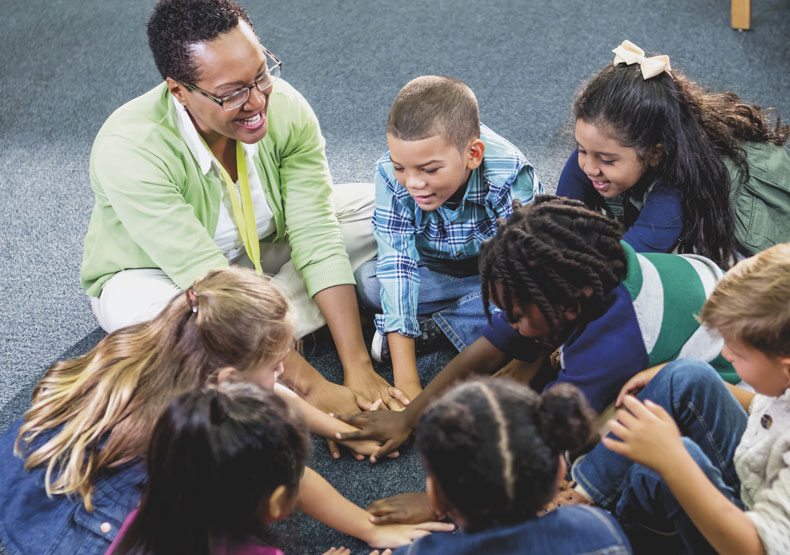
176	25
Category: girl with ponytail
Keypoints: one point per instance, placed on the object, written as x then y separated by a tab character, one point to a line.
493	451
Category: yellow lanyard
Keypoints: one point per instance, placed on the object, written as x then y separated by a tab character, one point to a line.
243	212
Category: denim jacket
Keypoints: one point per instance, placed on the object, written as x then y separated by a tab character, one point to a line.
573	529
32	522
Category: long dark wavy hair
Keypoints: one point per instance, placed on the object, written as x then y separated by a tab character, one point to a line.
215	456
695	129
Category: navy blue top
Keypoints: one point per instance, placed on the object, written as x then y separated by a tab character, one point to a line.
571	529
651	213
31	522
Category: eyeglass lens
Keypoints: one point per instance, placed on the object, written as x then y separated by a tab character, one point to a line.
262	83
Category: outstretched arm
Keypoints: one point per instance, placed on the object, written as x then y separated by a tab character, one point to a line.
394	428
325	425
339	306
649	436
324	503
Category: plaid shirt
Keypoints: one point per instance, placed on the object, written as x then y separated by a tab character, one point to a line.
403	230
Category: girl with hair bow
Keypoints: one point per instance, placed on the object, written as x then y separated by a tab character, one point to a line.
680	167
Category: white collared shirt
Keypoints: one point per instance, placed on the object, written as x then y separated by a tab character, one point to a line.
227	235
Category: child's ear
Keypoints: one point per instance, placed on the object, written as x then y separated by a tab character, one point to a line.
435	496
656	155
562	470
226	373
279	504
785	362
474	154
572	312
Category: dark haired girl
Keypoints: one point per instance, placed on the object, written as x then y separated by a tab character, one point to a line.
221	464
492	450
679	167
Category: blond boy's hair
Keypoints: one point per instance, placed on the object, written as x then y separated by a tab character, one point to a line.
751	303
432	105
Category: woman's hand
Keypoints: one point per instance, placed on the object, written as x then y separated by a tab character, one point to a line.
369	386
390	428
405	508
648	435
637	383
394	535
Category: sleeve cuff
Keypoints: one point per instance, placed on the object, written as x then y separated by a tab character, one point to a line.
409	327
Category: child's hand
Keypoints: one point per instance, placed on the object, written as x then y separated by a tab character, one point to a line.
648	435
395	535
338	551
406	508
389	427
362	448
637	383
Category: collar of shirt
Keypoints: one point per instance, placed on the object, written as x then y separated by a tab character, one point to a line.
198	147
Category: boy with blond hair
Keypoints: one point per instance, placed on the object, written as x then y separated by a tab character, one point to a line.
439	191
710	460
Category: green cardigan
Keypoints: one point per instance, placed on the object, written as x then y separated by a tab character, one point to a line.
154	208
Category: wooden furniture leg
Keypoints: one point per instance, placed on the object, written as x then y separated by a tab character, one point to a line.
741	14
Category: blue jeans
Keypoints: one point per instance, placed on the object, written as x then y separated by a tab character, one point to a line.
454	303
712	423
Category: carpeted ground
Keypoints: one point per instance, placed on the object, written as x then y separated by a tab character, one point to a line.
65	66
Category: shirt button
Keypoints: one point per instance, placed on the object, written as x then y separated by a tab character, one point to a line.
766	421
105	527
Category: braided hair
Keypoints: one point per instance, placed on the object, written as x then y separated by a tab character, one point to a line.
546	254
492	445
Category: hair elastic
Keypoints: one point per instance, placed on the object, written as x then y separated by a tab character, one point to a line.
192	300
629	53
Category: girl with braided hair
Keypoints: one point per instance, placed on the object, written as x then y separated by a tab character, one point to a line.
491	449
678	166
563	277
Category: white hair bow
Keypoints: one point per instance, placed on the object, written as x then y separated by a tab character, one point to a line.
630	53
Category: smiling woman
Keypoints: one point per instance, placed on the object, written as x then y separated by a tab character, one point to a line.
223	163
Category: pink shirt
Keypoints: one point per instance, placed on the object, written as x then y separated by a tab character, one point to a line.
235	549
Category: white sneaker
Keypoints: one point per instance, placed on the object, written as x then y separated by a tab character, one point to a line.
379	348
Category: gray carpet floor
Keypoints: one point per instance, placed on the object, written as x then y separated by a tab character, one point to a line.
66	65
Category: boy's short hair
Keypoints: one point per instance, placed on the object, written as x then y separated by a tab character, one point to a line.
433	105
751	303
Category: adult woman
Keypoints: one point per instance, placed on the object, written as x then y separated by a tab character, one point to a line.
164	169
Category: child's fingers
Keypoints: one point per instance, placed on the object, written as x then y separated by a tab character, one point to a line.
352	436
433	526
659	411
614	445
396	393
388	518
618	429
377	404
334	450
388	447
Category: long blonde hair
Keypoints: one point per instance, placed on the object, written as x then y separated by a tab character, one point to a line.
102	406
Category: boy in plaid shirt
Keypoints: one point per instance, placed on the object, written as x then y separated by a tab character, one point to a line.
439	191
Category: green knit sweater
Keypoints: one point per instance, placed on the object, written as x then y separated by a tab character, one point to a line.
154	207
